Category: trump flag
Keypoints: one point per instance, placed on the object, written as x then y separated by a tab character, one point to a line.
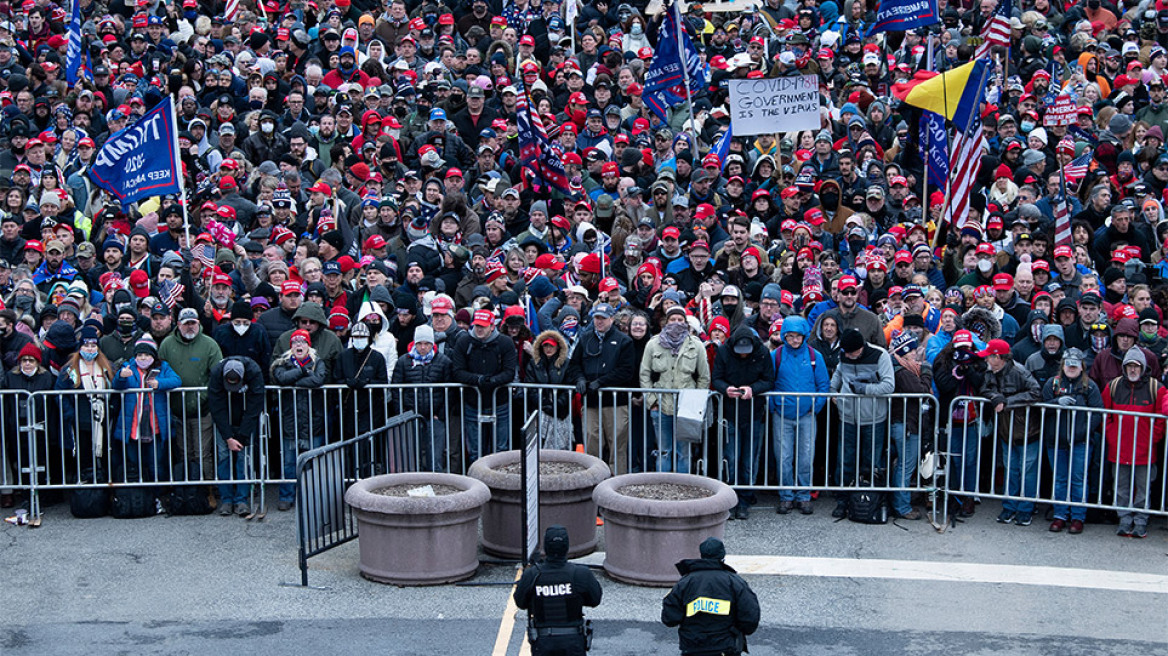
142	160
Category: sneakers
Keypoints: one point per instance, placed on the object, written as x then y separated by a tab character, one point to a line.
742	511
805	507
242	509
226	509
1139	531
1124	530
1006	516
1076	527
912	515
841	510
284	506
784	507
1058	525
1023	519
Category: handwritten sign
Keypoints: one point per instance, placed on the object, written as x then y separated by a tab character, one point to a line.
767	106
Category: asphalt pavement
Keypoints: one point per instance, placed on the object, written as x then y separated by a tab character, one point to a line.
214	585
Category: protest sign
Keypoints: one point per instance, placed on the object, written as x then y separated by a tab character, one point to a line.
782	104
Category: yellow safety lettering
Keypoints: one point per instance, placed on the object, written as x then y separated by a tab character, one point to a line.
707	605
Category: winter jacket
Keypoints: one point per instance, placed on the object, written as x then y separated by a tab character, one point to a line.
661	369
192	361
487	364
125	430
276	322
77	409
799	370
359	370
237	414
544	372
253	344
953	379
871	375
1130	439
863	320
608	363
910	410
1108	364
301	395
1016	389
1069	425
756	371
426	398
1027	345
714	608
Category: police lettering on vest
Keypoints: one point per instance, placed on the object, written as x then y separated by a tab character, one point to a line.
561	590
707	605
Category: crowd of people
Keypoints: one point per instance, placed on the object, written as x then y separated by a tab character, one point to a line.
359	211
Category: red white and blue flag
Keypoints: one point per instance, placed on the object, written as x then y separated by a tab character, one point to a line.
1077	168
997	30
536	152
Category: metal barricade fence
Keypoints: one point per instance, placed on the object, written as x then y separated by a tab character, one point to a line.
1069	457
96	438
308	418
323	474
17	463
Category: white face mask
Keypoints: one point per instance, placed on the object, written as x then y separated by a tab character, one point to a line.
240	330
267	128
144	361
984	265
27	369
360	343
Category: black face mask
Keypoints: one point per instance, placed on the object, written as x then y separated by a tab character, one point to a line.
829	200
125	328
401	111
227	267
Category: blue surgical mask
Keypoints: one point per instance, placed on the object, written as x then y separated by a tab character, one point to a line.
89	356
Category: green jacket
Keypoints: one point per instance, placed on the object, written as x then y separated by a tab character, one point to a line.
192	362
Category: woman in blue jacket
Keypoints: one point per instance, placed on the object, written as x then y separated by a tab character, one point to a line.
798	368
144	423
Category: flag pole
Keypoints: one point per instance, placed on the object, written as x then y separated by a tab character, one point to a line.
973	115
178	167
928	138
683	56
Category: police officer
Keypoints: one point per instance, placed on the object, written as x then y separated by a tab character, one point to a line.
712	606
554	593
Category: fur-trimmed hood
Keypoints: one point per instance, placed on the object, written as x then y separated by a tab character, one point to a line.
561	355
975	316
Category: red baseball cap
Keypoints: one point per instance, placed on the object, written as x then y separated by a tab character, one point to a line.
671	231
814	216
483	318
847	282
986	248
549	261
374	242
441	305
996	347
1003	282
290	287
902	257
1064	251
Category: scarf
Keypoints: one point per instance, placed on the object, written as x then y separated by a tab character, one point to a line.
92	378
144	404
673	336
419	359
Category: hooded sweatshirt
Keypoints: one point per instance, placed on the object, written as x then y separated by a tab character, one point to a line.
799	370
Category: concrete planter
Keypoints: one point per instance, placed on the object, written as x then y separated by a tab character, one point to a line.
644	538
418	540
565	499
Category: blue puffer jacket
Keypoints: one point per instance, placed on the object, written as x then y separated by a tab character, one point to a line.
799	370
167	380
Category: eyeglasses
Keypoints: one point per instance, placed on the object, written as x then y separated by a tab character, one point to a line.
848	292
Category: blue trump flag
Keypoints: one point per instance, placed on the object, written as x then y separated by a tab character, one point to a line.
722	148
73	54
142	160
934	146
665	79
904	15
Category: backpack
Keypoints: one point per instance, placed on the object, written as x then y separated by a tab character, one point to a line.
132	502
89	502
190	500
868	506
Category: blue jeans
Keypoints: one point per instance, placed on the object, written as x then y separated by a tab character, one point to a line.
1070	477
964	443
744	447
1021	474
497	433
289	454
861	451
147	458
908	446
669	458
231	466
795	455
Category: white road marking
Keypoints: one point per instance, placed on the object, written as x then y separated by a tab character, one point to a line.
955	572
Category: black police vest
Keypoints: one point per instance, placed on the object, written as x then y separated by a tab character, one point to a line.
557	601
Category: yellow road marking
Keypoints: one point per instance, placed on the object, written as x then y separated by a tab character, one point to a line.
507	624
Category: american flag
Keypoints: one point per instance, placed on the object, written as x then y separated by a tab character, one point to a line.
170	292
536	152
231	11
997	31
1062	216
1076	170
964	164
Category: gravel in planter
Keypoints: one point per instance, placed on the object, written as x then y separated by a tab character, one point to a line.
665	491
546	468
404	490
